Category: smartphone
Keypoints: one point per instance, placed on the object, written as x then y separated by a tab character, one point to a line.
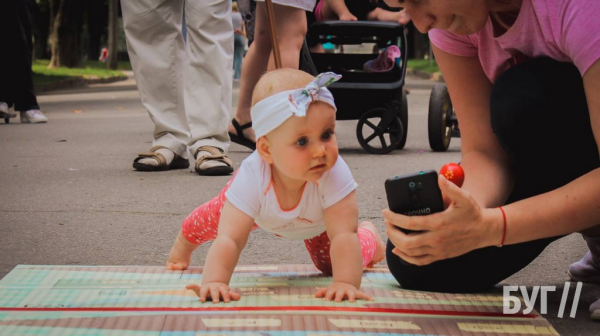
415	194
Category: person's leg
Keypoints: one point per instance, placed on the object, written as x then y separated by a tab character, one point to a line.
538	111
7	24
291	28
318	250
199	227
371	245
156	50
18	43
571	125
208	70
238	51
255	65
290	23
248	10
588	268
22	54
324	12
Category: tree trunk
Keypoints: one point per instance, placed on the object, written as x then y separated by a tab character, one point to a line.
113	33
66	30
97	20
40	12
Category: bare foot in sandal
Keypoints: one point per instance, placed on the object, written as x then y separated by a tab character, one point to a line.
165	152
242	133
159	159
380	252
212	161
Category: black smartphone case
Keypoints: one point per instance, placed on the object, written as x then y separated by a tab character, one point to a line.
414	194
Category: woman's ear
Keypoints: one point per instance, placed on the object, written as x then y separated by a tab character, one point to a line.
263	146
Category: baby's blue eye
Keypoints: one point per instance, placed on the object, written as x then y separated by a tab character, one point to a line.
327	135
302	142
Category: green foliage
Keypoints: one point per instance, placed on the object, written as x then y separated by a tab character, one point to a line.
90	69
423	65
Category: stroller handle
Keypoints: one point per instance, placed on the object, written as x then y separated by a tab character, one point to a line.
357	28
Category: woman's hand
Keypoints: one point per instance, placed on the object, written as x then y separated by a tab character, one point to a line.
464	226
214	291
339	291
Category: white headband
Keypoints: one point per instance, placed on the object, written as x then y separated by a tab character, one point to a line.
272	111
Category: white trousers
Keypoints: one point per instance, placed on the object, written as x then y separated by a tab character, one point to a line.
186	88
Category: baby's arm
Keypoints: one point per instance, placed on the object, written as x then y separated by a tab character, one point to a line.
234	228
338	8
341	220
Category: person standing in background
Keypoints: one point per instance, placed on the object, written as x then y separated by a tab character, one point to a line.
248	11
186	87
239	41
291	26
16	86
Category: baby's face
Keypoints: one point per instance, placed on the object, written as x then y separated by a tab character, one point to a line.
304	148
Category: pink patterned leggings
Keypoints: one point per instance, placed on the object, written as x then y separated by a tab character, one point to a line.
202	224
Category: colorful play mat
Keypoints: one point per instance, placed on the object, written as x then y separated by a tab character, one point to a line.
276	301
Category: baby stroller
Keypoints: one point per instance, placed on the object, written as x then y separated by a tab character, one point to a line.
376	99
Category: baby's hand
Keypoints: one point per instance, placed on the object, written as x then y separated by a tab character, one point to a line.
347	16
339	291
214	291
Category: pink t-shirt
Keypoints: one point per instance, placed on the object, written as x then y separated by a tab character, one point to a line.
564	30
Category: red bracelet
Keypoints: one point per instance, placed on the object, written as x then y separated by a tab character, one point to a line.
504	230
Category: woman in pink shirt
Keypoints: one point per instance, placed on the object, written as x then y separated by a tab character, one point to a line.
524	78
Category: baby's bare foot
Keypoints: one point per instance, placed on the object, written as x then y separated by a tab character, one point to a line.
181	253
380	252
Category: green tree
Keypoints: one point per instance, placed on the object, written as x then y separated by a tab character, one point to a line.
113	33
97	23
40	15
67	21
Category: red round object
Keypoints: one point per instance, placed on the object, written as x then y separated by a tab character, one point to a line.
454	173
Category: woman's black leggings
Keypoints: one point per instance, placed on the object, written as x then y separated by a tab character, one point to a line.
16	83
540	116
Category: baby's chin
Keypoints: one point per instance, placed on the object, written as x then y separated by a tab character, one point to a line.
314	176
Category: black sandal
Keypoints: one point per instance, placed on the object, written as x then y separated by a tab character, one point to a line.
239	138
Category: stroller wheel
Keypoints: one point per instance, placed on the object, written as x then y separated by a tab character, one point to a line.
403	114
379	131
440	118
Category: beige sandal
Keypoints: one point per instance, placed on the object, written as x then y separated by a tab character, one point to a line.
216	155
177	163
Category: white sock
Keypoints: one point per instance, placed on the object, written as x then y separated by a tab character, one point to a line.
152	162
209	163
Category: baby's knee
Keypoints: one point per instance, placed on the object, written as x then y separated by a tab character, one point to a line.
325	268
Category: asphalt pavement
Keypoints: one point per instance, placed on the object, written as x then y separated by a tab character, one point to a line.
69	195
